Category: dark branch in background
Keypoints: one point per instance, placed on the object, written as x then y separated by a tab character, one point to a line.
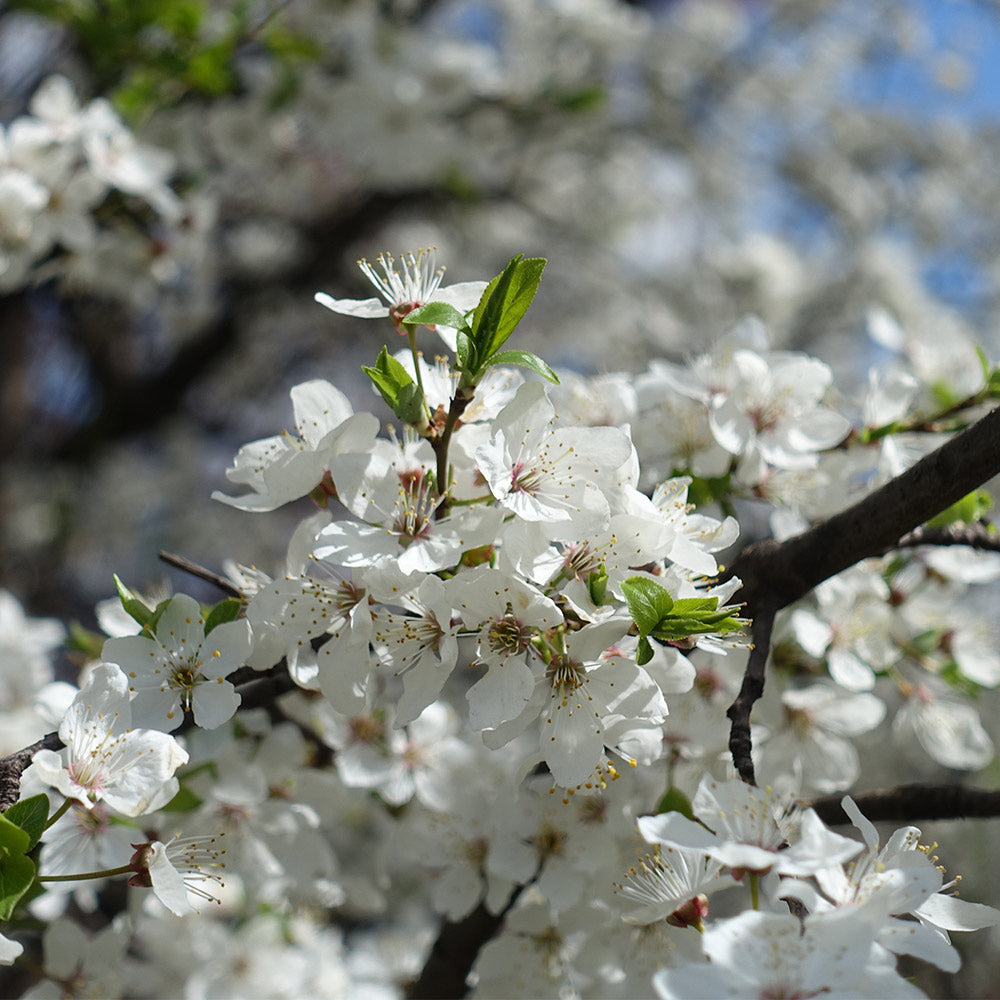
776	574
12	767
913	802
182	562
130	404
455	950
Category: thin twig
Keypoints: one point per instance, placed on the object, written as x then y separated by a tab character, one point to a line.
976	536
182	562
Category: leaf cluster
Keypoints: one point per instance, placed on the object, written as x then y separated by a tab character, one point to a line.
480	337
227	610
656	614
21	826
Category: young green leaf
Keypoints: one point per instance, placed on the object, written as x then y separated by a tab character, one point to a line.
486	315
693	605
674	800
12	838
410	406
17	872
648	602
389	377
526	360
505	302
523	285
597	584
465	355
227	610
436	313
132	604
30	815
968	510
643	652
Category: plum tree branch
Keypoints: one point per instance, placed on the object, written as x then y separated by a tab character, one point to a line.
907	803
776	574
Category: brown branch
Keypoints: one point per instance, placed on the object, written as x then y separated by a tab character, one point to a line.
12	767
776	574
455	951
976	536
779	573
752	688
907	803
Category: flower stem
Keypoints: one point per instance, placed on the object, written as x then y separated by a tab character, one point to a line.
754	891
441	444
59	813
106	873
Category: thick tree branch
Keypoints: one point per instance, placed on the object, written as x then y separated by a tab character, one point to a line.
779	573
907	803
455	950
776	574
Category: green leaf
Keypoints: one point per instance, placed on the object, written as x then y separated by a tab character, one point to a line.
504	303
674	629
674	800
158	614
410	407
436	313
465	353
944	395
643	652
486	315
82	640
526	360
983	362
12	837
587	98
184	801
692	605
597	583
227	610
30	815
648	602
704	490
17	872
389	377
133	606
968	510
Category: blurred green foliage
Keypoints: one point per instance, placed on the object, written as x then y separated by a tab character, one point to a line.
148	54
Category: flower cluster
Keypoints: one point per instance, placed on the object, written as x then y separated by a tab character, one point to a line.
497	666
58	165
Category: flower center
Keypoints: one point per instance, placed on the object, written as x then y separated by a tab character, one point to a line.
507	636
565	675
185	677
